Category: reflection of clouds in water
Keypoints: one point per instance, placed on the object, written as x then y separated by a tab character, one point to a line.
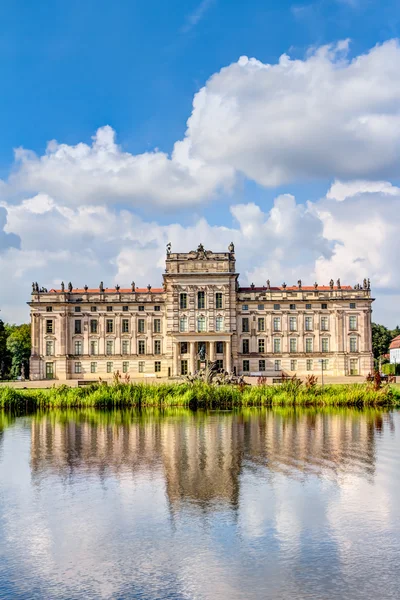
135	520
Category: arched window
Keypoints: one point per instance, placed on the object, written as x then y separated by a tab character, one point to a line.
219	324
183	324
201	324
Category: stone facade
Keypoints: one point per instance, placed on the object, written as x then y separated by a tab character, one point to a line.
200	314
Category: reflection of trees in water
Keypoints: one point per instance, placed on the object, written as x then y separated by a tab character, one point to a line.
201	455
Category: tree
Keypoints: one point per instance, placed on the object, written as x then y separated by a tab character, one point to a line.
4	356
19	346
381	338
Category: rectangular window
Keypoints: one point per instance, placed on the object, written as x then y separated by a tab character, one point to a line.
125	347
324	324
220	364
49	326
277	345
93	326
183	324
157	366
261	324
293	365
141	308
353	323
93	367
309	364
77	309
49	309
93	309
141	347
325	364
245	324
219	347
109	308
293	345
78	326
141	325
78	347
157	326
292	307
110	347
261	365
293	323
325	344
141	366
309	345
353	366
201	300
125	366
184	367
157	309
353	344
78	367
261	346
93	347
245	307
277	365
246	366
49	348
109	326
352	305
184	348
324	306
109	367
49	370
183	301
245	346
308	306
125	325
277	323
260	307
277	306
125	308
308	323
201	324
219	324
218	300
157	346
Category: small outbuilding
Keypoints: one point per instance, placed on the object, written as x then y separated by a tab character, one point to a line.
394	350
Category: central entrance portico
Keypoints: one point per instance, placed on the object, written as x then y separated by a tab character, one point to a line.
187	351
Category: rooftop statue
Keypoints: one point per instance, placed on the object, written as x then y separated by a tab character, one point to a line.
70	287
231	247
133	287
168	248
101	286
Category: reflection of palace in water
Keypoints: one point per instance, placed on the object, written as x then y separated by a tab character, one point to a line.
201	456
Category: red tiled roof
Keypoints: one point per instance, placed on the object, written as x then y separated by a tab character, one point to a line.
109	291
307	288
395	343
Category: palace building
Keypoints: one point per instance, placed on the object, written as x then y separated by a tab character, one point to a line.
200	313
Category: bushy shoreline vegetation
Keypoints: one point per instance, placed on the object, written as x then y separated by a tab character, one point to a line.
200	395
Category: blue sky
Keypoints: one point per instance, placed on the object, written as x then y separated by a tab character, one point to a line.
70	68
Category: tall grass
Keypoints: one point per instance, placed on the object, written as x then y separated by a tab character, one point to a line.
198	395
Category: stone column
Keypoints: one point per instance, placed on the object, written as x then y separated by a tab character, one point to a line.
35	326
192	365
228	356
212	351
176	358
117	342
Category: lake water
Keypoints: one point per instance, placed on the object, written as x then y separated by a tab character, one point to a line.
254	504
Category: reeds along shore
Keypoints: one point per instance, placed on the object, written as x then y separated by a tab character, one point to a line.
199	395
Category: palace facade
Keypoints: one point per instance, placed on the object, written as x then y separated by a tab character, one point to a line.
201	313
